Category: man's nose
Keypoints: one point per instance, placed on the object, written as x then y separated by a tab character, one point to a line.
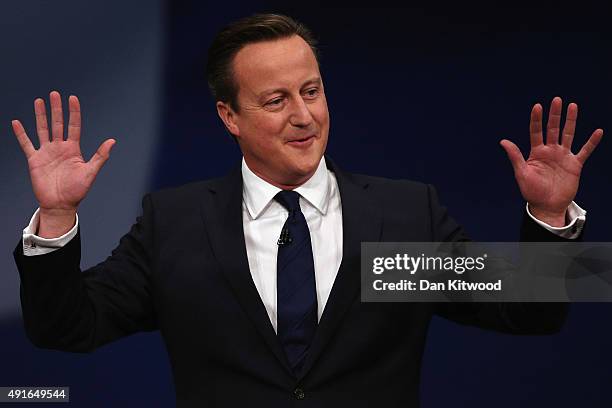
300	114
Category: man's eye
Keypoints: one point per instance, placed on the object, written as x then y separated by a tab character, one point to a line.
312	92
275	102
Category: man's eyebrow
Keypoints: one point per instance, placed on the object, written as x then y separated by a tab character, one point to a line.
270	91
312	81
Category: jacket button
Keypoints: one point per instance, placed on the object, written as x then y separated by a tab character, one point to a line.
298	393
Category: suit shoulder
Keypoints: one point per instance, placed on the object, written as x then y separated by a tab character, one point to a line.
390	185
183	195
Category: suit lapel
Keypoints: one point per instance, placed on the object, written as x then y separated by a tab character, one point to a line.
361	222
222	213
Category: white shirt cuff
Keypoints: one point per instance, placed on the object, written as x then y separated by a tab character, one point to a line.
577	218
35	245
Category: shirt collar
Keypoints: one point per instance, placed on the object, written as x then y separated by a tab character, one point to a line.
257	193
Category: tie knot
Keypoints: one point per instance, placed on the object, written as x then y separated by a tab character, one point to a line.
289	199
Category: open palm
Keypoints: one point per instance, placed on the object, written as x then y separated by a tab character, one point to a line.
549	178
60	176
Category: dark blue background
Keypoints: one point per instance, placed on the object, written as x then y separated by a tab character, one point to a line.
424	93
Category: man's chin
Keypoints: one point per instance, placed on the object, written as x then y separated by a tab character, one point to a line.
302	171
306	164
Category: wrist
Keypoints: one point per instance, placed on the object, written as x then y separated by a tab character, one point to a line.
57	212
53	223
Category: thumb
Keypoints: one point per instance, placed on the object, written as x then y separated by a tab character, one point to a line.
102	154
514	154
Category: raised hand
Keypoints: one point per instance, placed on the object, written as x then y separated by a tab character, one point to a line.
60	177
549	178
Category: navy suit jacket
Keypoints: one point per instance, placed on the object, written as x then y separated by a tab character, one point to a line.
182	269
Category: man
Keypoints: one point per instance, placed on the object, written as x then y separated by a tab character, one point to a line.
253	279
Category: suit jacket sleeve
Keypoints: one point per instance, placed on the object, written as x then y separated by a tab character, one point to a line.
512	317
66	309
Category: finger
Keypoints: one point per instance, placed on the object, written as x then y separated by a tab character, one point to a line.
23	139
514	154
535	125
554	121
590	145
42	129
101	155
570	125
74	121
57	118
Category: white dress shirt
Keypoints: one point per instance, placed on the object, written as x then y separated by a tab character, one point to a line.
263	218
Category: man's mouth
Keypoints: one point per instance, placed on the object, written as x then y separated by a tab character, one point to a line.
302	142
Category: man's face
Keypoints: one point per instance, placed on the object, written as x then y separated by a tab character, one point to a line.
283	122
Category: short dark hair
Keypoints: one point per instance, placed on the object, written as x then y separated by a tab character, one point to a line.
232	38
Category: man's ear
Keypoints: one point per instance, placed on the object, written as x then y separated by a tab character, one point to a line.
228	116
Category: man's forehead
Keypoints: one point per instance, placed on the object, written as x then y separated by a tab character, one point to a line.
271	63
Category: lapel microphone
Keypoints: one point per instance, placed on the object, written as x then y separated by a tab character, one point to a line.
285	237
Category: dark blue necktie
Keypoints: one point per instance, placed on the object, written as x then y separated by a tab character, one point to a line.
295	286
